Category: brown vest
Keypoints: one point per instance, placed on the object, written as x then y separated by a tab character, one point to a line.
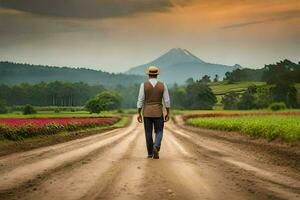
153	99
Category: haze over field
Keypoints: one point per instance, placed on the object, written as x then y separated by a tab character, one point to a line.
117	35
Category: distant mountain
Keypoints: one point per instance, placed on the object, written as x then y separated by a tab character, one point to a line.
177	65
14	73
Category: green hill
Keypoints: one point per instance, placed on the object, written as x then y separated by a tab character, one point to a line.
220	88
15	73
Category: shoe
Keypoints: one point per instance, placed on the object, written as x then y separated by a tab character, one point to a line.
155	153
149	156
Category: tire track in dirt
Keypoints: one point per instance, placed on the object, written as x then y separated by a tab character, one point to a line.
9	162
178	175
83	180
261	175
23	173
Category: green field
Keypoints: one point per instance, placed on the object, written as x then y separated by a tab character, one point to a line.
62	114
220	88
286	128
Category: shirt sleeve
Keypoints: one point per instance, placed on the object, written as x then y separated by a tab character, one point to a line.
166	97
141	97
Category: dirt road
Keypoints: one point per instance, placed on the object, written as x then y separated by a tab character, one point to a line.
113	165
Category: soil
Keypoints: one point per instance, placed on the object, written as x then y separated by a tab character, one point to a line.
194	164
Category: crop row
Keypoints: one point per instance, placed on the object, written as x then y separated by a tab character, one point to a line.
43	121
241	114
286	128
17	129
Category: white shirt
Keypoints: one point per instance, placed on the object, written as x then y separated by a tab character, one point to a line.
141	98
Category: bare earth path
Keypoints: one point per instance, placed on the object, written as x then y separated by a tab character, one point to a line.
113	165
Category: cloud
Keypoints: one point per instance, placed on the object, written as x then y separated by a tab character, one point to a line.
88	8
278	16
19	27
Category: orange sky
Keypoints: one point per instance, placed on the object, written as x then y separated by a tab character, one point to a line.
251	33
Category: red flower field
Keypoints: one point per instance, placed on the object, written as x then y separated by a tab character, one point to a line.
18	129
55	120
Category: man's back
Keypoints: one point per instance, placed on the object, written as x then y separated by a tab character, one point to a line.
153	99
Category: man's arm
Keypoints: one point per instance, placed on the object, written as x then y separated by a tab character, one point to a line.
140	117
140	103
167	102
167	117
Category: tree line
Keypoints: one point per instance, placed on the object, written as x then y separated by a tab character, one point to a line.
282	70
55	93
194	95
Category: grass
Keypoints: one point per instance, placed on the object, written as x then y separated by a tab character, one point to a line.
121	123
62	114
286	128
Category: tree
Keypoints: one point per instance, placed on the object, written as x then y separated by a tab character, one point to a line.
283	71
129	95
205	79
199	96
178	97
247	101
244	75
189	81
285	93
216	79
263	97
28	110
3	107
55	93
230	101
104	101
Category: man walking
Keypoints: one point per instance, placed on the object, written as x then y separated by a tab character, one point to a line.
151	95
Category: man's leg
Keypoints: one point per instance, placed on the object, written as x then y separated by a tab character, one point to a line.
158	129
148	125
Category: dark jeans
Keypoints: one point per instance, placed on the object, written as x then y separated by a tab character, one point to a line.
158	124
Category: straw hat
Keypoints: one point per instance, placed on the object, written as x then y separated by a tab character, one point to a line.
152	70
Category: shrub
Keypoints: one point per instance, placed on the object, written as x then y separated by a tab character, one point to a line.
57	111
28	109
3	107
104	101
120	111
278	106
